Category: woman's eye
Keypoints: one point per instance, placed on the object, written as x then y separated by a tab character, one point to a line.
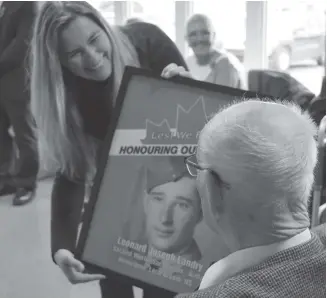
74	54
94	39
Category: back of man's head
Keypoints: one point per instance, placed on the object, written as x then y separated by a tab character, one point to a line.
267	152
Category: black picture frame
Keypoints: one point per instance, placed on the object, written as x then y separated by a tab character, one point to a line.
129	74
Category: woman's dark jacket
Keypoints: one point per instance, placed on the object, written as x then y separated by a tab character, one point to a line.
155	51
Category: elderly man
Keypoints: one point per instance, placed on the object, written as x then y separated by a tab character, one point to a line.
211	63
255	170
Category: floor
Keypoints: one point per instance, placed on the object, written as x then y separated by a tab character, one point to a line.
26	268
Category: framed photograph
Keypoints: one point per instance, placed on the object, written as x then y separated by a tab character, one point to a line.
144	221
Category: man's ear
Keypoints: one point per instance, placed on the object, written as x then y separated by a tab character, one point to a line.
213	36
211	199
215	195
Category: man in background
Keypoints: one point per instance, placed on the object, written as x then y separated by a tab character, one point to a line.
210	62
16	22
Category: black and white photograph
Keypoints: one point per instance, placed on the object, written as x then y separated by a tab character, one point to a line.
158	235
162	149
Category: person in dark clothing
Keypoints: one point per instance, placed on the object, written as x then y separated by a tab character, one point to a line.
16	21
76	68
317	107
133	20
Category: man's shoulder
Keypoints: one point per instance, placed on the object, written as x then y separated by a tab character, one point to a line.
278	276
263	284
214	291
232	288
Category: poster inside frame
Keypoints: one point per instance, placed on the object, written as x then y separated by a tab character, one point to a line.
143	222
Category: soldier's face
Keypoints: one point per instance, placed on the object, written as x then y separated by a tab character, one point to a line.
172	212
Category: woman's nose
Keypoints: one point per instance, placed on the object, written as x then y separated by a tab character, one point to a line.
91	58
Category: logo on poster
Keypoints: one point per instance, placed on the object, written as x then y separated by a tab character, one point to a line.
164	138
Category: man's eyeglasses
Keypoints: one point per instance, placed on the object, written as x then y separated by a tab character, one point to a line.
193	168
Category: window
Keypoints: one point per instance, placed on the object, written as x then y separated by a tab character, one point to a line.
296	43
296	35
160	13
106	8
228	18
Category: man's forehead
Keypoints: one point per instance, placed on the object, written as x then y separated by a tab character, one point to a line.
199	21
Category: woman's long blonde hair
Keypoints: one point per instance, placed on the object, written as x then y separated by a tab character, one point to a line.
62	140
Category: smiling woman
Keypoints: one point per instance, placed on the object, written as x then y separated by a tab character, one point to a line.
86	50
77	63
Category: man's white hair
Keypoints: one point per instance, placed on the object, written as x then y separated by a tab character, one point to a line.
266	149
202	18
